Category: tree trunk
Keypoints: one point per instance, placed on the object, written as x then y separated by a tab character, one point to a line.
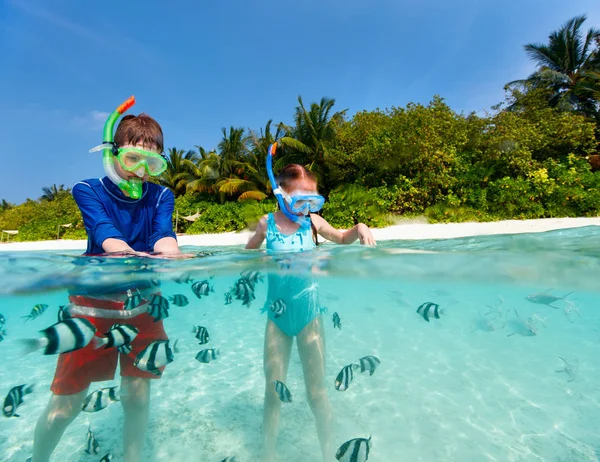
594	161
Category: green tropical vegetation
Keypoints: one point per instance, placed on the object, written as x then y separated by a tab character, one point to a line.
535	155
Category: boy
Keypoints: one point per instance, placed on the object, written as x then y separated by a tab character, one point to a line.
122	213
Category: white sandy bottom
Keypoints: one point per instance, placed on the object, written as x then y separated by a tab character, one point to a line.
444	390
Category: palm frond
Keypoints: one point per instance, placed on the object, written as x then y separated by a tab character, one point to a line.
252	195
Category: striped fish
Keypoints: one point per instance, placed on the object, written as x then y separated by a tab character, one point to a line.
63	313
14	399
133	300
184	278
158	307
429	310
91	446
201	288
345	377
355	450
252	276
179	300
36	311
337	322
119	335
201	334
369	363
208	355
125	349
107	458
243	290
283	392
2	320
100	399
63	337
278	308
156	355
228	298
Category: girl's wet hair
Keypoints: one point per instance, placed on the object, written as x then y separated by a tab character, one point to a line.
295	172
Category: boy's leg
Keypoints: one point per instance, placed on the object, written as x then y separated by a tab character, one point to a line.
278	348
135	399
311	349
60	412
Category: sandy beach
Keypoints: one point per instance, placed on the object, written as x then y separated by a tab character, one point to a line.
408	230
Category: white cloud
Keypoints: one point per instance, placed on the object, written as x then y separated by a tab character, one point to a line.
94	120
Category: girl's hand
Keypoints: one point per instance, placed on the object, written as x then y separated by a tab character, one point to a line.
365	236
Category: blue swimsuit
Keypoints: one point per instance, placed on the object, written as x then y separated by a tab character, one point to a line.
298	293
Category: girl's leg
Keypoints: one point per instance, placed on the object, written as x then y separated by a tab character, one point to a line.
278	348
60	412
311	349
135	399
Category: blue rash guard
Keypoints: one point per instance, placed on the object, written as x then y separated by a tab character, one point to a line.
108	213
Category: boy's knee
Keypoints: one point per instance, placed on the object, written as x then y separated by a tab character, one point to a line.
62	415
135	393
316	396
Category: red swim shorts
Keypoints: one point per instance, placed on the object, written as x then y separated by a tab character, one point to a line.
77	369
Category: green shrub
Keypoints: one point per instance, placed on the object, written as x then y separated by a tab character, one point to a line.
444	213
231	216
353	204
41	220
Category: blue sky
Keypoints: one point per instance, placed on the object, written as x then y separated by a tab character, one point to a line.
197	66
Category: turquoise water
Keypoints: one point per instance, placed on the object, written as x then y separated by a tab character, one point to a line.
480	383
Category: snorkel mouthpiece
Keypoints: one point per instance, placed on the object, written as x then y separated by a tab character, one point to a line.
132	187
302	220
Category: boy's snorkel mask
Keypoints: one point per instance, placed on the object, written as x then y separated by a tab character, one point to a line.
299	203
137	161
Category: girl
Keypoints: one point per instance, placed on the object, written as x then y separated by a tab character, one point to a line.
293	228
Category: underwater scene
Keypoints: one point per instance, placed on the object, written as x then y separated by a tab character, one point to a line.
473	349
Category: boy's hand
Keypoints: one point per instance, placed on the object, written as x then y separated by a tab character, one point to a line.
365	236
172	256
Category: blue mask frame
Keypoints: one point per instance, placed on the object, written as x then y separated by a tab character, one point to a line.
316	200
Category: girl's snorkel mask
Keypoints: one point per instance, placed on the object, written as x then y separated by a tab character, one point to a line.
299	203
137	161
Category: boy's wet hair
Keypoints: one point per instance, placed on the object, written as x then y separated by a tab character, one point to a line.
294	172
139	130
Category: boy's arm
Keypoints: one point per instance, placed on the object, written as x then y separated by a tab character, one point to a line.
167	245
163	238
98	225
359	231
259	235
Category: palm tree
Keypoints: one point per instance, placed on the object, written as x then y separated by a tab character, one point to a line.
5	205
308	142
178	172
564	64
226	173
206	171
256	168
54	192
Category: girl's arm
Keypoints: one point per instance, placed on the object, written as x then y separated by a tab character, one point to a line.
359	231
259	235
